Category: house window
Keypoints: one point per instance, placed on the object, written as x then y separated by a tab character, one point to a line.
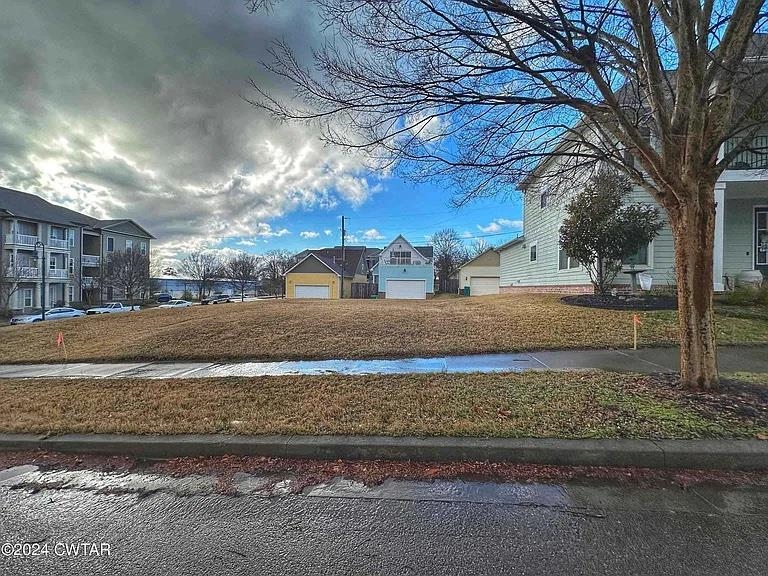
110	244
71	291
129	246
51	264
143	248
71	265
71	237
566	262
400	257
639	258
27	293
543	199
532	252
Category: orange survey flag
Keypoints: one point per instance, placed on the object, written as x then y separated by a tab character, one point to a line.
60	339
636	319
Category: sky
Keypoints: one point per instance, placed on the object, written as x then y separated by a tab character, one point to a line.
134	109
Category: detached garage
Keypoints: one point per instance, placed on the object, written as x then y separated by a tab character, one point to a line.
481	274
406	289
313	277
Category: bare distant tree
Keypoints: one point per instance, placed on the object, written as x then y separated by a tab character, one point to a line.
449	255
12	273
274	265
129	273
483	91
478	247
203	267
242	270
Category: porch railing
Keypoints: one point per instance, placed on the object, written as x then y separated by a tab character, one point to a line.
88	260
755	158
58	244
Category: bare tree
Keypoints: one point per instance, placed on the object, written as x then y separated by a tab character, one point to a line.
484	91
203	267
449	255
128	272
479	246
12	273
242	270
274	265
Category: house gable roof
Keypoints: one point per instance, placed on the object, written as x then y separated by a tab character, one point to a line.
354	258
332	267
511	243
426	252
116	226
482	254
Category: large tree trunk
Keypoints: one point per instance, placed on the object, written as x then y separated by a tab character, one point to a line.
693	226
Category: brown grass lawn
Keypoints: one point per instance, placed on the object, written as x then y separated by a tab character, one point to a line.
537	404
303	329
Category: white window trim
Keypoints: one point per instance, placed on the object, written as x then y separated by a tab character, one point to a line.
533	245
24	293
128	246
113	243
755	208
143	248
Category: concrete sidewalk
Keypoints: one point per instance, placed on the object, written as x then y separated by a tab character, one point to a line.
650	360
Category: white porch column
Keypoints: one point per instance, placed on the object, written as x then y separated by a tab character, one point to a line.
36	291
717	271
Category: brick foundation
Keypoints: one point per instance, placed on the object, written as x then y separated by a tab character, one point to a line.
551	289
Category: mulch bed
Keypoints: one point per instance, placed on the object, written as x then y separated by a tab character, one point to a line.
622	302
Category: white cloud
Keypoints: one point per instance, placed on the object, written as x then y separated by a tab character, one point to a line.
309	234
327	232
172	144
499	224
373	234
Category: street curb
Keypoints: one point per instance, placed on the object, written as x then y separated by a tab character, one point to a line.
693	454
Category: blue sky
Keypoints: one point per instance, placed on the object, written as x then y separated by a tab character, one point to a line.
138	110
416	210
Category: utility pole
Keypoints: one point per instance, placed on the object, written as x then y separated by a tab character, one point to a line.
343	259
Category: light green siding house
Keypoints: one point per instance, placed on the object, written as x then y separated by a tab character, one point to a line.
534	262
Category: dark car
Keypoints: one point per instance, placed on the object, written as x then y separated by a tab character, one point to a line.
163	297
216	298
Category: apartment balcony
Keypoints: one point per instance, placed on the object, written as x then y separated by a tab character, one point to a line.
20	239
58	244
88	281
90	261
57	273
22	272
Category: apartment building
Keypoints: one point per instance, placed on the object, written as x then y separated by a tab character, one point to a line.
74	248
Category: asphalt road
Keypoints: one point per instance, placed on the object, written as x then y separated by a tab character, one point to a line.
166	526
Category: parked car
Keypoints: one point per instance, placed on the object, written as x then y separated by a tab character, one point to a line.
176	304
216	298
52	314
163	297
110	308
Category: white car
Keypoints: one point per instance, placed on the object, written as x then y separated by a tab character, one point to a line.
52	314
176	304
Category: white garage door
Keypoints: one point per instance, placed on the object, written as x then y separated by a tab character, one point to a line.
406	289
308	291
482	286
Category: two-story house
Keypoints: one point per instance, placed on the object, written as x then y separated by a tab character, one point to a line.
406	271
535	262
73	247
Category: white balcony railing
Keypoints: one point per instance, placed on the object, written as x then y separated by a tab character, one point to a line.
58	244
88	281
88	260
21	239
57	273
22	272
407	262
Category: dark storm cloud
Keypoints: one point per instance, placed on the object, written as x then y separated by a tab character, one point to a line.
135	110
